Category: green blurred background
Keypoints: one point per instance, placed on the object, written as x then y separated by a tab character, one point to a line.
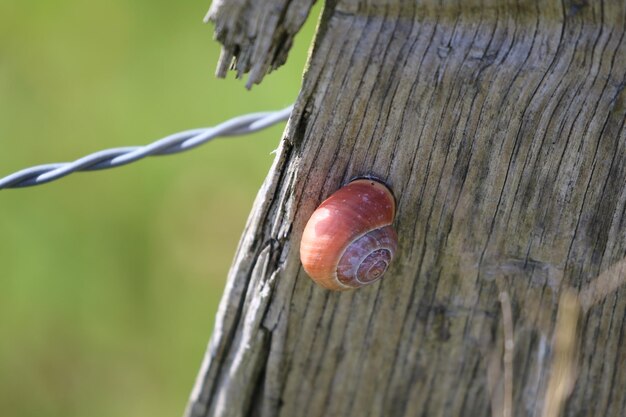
109	281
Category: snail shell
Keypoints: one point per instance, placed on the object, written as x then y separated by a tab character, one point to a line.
348	242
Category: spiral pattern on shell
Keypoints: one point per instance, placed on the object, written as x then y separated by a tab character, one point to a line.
349	242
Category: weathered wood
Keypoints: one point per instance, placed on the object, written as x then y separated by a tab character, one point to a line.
500	126
256	35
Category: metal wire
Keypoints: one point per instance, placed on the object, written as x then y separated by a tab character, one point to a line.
177	142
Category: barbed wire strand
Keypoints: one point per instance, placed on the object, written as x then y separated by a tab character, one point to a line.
115	157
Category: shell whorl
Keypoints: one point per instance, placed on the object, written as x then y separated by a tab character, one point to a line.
366	259
348	241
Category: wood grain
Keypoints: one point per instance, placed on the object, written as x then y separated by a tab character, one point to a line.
500	126
256	35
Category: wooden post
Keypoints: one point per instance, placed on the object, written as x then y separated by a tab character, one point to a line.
500	126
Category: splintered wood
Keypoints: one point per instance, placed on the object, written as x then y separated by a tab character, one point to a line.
256	35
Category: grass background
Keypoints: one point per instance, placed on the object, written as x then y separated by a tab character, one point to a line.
109	281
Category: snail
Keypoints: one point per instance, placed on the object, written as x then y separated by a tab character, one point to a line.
349	242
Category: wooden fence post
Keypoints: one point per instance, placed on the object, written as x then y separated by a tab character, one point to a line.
500	126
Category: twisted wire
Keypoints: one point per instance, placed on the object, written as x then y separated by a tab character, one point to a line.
115	157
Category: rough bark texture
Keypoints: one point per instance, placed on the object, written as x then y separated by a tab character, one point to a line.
500	126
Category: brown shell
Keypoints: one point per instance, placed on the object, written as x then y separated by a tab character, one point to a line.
348	242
